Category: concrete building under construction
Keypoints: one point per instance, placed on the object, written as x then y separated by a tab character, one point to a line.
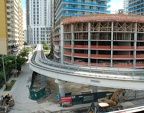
101	40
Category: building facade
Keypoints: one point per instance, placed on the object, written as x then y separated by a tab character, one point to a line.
136	7
65	8
38	14
101	40
126	6
11	25
25	36
71	8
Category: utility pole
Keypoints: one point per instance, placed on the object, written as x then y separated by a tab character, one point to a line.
16	65
3	69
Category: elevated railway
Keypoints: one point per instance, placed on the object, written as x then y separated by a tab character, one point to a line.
95	76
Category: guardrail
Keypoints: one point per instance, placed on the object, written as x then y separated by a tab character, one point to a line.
106	70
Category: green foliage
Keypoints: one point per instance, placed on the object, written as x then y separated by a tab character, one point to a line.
45	45
11	62
25	43
9	85
1	75
24	52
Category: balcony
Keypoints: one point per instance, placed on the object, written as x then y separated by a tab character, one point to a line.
67	46
140	56
11	43
123	65
67	53
100	56
8	16
9	27
101	64
100	47
140	48
81	63
8	10
81	55
87	3
123	47
140	64
8	4
10	33
81	46
9	22
123	56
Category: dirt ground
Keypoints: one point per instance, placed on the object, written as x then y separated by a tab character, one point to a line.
69	87
74	88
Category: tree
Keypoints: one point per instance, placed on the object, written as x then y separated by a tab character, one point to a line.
25	43
45	45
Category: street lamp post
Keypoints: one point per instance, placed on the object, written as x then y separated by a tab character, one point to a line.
16	65
3	68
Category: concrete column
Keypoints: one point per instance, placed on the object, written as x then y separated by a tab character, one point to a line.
61	87
135	45
72	43
43	80
89	44
62	43
111	63
94	89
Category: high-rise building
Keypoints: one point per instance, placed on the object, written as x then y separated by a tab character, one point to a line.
70	8
136	7
25	36
65	8
11	26
126	6
38	20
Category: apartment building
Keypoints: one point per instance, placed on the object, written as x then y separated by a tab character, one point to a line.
38	14
136	7
72	8
65	8
11	25
126	6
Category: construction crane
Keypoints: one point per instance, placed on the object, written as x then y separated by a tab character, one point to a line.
111	100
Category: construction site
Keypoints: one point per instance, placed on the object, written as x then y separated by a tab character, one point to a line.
104	40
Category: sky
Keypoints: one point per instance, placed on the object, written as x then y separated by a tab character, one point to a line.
115	5
23	3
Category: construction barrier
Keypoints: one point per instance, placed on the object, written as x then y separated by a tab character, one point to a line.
36	93
87	98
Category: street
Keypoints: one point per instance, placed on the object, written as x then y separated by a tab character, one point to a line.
20	92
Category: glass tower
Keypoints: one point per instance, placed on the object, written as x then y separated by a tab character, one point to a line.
79	7
136	7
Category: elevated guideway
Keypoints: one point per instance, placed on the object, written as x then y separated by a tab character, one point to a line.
95	76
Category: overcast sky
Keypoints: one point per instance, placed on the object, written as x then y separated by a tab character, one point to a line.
115	5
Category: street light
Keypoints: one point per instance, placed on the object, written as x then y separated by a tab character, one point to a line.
3	68
16	64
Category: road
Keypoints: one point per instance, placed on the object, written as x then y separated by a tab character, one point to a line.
20	93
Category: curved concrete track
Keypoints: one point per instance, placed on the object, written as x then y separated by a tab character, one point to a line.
95	76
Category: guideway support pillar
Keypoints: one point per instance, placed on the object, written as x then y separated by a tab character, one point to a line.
61	87
94	89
